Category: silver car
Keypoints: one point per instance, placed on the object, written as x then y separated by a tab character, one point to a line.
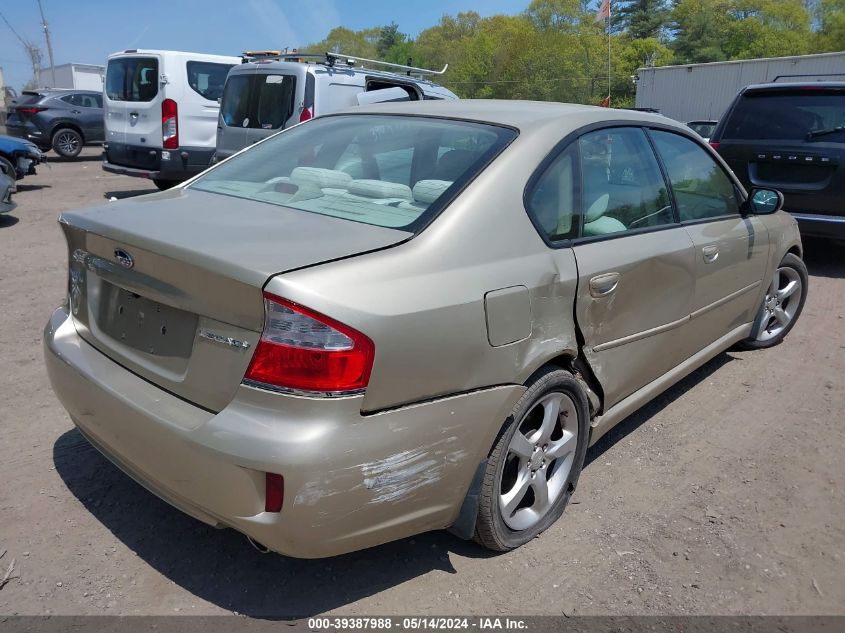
410	317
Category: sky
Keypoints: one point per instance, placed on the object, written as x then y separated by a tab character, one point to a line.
87	31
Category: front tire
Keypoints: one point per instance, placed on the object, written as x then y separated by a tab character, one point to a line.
782	304
67	142
534	466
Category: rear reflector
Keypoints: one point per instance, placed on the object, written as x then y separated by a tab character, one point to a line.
714	145
274	493
306	351
306	114
169	124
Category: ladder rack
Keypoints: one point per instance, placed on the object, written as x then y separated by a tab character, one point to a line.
332	59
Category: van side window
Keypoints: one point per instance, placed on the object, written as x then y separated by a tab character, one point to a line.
413	95
207	79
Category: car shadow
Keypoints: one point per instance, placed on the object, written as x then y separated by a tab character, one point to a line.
8	220
824	258
23	188
82	158
120	195
221	567
648	411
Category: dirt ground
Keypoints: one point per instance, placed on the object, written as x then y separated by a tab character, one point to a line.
724	496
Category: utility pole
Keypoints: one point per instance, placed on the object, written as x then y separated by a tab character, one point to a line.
32	51
49	43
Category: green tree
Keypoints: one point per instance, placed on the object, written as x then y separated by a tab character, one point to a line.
388	37
701	28
641	19
830	15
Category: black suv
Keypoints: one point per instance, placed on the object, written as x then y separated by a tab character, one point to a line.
64	120
791	137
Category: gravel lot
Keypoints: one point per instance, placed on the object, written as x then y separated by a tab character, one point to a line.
724	496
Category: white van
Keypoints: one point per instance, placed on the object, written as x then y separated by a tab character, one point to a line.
271	90
160	111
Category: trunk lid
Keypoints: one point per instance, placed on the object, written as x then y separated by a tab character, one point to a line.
169	285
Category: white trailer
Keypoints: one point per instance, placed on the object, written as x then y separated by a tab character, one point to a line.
74	76
704	91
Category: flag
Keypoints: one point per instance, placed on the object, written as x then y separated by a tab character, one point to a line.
604	10
605	103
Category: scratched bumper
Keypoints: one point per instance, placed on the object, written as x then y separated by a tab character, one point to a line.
351	481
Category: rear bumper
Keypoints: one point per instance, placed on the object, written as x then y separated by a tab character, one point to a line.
351	481
825	226
30	132
155	163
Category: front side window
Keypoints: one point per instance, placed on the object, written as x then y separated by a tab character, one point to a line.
389	171
702	188
207	79
622	186
132	79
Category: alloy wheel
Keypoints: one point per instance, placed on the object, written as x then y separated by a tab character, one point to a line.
68	143
781	302
539	459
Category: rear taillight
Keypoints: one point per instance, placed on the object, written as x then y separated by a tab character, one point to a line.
714	145
307	113
29	110
169	124
305	351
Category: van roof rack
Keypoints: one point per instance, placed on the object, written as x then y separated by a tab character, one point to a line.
332	59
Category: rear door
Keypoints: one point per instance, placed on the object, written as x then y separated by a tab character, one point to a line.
731	250
199	105
88	112
133	96
786	138
636	269
273	103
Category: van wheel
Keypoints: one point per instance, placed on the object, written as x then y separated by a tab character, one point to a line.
163	184
782	304
67	142
534	466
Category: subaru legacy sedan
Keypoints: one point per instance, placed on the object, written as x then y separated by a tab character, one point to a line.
410	317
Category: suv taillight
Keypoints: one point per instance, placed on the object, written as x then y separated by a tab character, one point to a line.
714	144
169	124
29	109
307	113
303	350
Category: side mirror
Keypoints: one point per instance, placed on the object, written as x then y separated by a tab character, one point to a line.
764	201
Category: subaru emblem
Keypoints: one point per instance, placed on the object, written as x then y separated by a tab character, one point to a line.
123	258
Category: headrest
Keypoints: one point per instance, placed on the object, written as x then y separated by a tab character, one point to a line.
321	177
380	189
598	208
427	191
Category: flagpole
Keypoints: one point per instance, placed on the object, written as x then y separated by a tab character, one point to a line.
608	51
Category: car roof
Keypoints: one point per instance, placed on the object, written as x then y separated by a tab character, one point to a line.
523	115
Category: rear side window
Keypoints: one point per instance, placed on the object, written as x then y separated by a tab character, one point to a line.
132	79
262	101
389	171
621	183
83	100
787	116
207	79
702	188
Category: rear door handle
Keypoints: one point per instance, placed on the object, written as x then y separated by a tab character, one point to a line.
604	285
710	253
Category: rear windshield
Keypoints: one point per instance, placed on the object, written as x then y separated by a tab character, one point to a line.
702	128
263	101
389	171
207	79
132	79
787	116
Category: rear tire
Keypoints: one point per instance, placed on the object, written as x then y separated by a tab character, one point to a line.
781	305
164	185
7	168
67	142
533	469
